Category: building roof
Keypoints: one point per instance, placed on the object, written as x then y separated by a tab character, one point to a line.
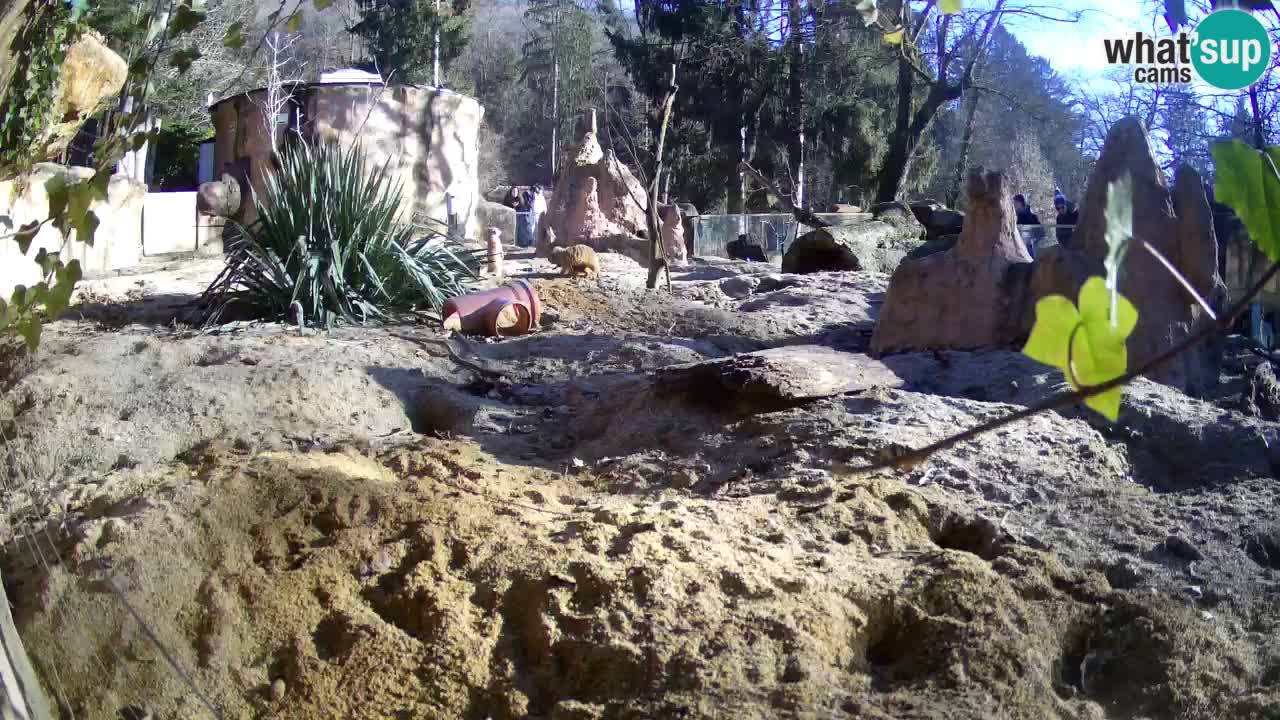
339	76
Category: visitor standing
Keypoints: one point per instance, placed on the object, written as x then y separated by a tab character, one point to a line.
1067	218
1026	217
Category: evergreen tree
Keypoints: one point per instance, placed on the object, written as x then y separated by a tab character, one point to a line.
400	36
559	59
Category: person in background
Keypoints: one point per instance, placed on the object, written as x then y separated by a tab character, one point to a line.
524	202
1026	217
535	206
513	199
1067	218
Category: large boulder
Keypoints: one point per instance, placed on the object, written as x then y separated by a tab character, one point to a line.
220	198
938	220
90	76
1178	222
876	243
596	197
971	295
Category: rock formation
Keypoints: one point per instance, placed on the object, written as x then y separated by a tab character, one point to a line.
878	243
220	198
672	231
969	296
90	75
1179	224
938	220
596	202
983	291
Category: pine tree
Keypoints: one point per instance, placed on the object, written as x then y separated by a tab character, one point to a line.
400	36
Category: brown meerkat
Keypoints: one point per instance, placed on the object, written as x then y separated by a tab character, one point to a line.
578	260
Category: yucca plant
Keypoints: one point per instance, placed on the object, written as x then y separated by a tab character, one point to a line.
328	246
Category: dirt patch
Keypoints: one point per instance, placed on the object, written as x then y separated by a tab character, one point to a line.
356	525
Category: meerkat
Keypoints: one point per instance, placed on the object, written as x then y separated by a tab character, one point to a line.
577	260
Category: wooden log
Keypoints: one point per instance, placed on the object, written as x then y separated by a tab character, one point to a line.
22	697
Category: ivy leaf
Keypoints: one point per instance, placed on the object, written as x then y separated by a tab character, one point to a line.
29	329
27	235
185	19
294	23
895	37
1085	339
1247	181
322	5
233	38
58	297
56	190
183	58
951	7
81	217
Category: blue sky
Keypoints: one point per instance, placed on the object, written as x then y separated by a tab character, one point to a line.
1075	49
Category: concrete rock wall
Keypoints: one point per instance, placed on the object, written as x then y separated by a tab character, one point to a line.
427	137
117	241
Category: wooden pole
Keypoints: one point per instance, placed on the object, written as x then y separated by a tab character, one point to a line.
21	698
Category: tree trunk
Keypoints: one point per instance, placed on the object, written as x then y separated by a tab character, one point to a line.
966	140
658	255
894	168
11	18
1259	134
894	175
795	101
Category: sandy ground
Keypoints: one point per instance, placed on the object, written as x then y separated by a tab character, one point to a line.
356	525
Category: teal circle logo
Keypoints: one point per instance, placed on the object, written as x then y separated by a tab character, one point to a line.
1231	49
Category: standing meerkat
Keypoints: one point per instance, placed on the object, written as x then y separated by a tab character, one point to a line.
577	260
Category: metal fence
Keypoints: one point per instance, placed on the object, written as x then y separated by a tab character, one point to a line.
771	231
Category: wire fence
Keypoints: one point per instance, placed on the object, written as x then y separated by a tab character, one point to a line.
776	231
771	231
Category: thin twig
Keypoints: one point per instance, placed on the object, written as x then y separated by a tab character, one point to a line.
1182	280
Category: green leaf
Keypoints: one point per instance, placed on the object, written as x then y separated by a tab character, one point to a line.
1084	343
294	23
233	38
56	189
1103	355
951	7
1247	181
1056	317
29	329
81	218
185	19
183	58
894	38
322	5
27	235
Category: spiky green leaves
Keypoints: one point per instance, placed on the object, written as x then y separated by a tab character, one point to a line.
1083	342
